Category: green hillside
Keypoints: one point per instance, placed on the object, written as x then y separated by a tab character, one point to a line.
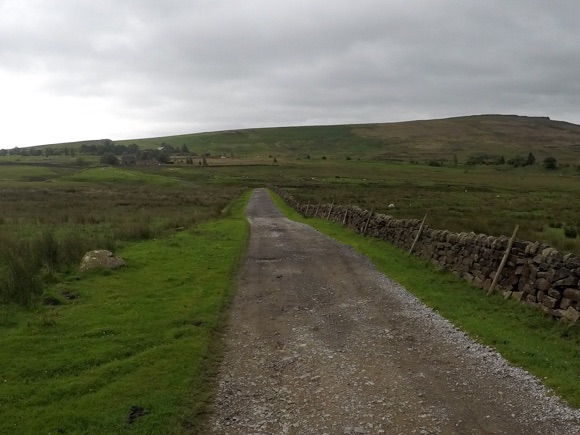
414	140
445	140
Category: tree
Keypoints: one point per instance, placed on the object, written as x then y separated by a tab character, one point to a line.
531	159
517	161
164	157
106	146
550	163
109	159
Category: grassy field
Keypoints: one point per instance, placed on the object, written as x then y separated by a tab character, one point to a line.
46	227
143	335
483	199
419	166
30	173
525	337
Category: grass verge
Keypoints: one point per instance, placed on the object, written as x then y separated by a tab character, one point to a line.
525	337
143	335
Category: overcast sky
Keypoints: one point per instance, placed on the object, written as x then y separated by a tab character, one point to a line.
85	69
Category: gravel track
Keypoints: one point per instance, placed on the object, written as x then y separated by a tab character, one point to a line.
320	342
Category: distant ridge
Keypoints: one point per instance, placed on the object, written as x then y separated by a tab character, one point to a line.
443	139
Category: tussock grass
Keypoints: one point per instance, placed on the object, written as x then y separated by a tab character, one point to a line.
482	200
143	335
525	337
124	175
45	228
22	173
29	264
20	280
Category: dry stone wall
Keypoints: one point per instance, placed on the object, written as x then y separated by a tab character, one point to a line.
535	273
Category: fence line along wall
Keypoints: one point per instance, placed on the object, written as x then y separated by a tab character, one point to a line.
535	273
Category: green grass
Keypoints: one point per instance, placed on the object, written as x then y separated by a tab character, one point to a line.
295	141
143	335
47	227
100	348
458	197
29	173
483	199
114	175
525	337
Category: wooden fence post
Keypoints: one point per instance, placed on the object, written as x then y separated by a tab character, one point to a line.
330	211
503	261
368	220
317	208
345	215
418	235
306	212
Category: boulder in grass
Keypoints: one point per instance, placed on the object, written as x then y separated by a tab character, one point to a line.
100	259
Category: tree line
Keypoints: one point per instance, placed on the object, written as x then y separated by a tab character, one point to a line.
108	150
517	161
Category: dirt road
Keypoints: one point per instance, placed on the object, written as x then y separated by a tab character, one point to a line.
321	342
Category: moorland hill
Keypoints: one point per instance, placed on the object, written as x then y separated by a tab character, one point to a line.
442	139
476	139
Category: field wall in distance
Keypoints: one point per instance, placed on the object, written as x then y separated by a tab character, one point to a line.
535	273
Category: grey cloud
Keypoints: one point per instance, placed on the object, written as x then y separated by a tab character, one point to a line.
200	65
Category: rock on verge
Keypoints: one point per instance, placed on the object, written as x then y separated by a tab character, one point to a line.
100	259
